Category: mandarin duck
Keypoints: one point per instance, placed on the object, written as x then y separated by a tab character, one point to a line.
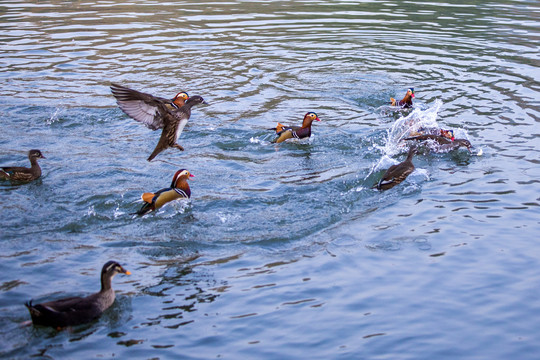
179	189
156	114
297	132
78	310
19	173
444	144
406	102
397	173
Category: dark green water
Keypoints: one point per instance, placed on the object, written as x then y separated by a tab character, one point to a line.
284	251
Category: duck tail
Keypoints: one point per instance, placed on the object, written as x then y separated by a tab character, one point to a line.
393	101
145	209
279	128
154	154
34	313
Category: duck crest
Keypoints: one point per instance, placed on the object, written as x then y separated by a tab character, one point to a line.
179	100
176	177
309	118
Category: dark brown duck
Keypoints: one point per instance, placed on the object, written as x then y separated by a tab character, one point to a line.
397	173
19	173
77	310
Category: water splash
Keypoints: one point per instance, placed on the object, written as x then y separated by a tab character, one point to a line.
404	126
55	116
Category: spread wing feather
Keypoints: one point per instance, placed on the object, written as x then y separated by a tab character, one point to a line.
140	106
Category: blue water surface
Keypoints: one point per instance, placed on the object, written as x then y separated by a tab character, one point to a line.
284	250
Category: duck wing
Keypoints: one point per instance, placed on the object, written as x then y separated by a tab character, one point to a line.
437	138
140	106
149	200
17	173
395	175
14	169
423	137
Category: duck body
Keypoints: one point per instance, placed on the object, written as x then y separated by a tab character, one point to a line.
146	108
298	132
449	134
78	310
406	102
444	144
24	174
174	123
179	189
397	173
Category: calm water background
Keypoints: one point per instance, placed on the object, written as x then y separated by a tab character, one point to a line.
284	251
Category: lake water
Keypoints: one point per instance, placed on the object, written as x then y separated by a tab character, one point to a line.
284	251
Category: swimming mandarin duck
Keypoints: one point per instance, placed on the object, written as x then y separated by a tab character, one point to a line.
397	173
156	114
297	132
78	310
179	189
406	102
16	173
444	144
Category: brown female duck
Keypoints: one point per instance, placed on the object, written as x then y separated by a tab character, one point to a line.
144	107
19	173
397	173
77	310
297	132
179	189
406	102
156	114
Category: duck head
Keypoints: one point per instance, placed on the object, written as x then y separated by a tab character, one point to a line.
182	174
196	99
35	154
412	151
109	270
309	118
410	92
180	98
465	143
112	268
449	134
